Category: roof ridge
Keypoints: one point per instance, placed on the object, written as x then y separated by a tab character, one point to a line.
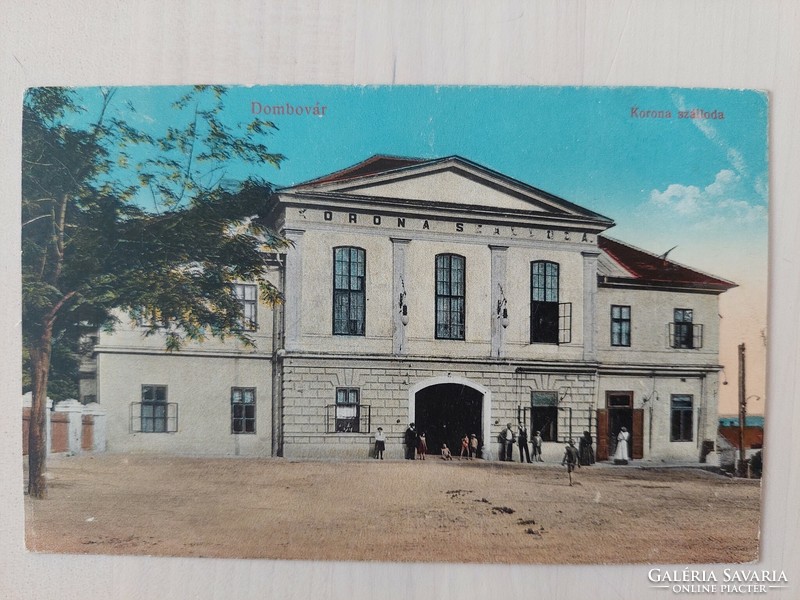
341	174
666	260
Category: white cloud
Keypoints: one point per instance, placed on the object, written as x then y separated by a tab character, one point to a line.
683	199
744	212
720	203
723	182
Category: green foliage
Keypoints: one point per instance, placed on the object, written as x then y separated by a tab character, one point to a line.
64	364
89	249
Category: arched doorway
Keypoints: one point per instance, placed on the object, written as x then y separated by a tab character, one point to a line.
445	412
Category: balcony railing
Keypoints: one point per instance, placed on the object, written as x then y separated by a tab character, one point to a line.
347	418
685	335
154	417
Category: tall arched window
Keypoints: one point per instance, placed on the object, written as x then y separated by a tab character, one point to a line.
349	290
450	296
544	302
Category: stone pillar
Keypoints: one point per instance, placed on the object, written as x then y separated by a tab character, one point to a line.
98	426
498	278
293	291
589	303
399	290
74	410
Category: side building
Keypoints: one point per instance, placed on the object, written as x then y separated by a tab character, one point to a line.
443	293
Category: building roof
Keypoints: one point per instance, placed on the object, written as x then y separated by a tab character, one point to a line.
379	163
370	177
649	270
634	268
753	436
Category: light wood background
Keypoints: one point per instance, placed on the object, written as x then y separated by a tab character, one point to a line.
715	43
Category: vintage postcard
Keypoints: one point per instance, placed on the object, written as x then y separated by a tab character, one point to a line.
399	324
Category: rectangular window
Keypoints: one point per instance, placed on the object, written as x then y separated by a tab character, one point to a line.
545	314
349	291
450	296
544	415
347	410
154	409
681	418
620	325
243	410
619	400
247	293
683	332
683	328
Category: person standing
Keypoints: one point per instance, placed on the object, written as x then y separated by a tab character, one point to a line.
380	443
507	438
411	441
473	446
522	442
621	453
464	447
537	447
570	458
422	446
585	449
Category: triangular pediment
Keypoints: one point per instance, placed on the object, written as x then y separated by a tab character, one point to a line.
450	187
450	181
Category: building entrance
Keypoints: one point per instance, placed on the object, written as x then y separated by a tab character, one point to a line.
619	413
445	413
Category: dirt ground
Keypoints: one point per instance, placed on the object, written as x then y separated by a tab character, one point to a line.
392	511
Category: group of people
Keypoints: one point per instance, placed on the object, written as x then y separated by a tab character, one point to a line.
416	444
508	438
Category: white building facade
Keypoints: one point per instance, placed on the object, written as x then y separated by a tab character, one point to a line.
442	293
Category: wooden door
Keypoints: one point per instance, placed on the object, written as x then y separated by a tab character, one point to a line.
638	433
601	452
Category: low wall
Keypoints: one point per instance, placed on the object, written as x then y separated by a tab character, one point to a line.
70	426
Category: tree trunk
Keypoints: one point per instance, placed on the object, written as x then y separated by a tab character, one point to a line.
37	437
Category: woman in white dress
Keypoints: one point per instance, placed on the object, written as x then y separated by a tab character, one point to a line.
622	445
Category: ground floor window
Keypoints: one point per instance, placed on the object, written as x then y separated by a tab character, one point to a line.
243	410
544	415
681	418
347	410
154	414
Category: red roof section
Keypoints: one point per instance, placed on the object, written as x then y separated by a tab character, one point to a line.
649	269
374	164
753	436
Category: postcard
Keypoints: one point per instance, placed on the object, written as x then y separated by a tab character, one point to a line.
521	325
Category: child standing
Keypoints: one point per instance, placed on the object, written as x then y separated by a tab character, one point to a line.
537	447
473	446
570	458
380	443
464	447
422	446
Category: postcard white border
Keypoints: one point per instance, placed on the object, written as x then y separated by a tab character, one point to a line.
735	44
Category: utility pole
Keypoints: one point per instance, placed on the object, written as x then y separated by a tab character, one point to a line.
742	414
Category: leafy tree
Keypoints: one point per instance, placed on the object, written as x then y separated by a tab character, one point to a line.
90	251
65	360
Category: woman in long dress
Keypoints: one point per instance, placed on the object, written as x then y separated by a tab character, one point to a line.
585	450
622	445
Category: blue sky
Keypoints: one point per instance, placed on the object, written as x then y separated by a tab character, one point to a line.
698	184
665	181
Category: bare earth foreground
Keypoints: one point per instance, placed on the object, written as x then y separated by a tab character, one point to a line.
392	511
